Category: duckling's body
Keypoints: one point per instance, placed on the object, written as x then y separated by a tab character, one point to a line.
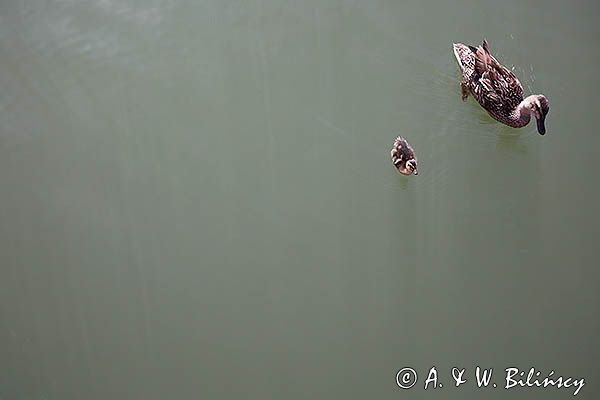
497	89
403	157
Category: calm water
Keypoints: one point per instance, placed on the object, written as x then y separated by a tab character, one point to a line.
197	200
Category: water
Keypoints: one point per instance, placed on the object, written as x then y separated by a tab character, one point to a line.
198	201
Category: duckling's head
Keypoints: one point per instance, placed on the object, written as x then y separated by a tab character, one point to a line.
411	167
539	109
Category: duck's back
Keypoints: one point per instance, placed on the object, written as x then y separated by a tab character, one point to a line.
493	85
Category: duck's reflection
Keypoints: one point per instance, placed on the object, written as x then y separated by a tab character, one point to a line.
511	141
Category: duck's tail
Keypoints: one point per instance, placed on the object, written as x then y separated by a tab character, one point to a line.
460	52
465	56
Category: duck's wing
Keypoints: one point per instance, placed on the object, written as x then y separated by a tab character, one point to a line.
483	59
498	86
508	82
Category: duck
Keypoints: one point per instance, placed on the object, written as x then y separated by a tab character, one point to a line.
403	157
497	89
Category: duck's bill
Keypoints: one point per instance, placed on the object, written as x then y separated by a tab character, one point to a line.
415	172
541	125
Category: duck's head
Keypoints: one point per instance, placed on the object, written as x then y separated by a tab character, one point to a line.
539	109
411	167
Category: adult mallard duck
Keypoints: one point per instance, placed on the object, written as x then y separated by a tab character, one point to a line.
497	89
403	157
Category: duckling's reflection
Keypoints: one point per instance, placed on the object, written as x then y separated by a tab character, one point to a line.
404	182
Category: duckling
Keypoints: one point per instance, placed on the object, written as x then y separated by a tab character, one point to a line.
403	157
